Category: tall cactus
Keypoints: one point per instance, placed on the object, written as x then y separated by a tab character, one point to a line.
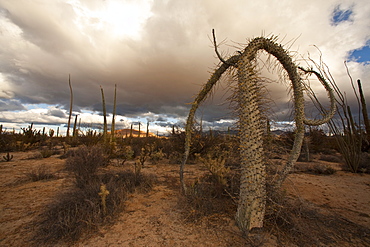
364	110
113	128
252	199
70	104
105	127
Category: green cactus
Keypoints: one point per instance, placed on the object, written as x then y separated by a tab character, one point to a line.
252	199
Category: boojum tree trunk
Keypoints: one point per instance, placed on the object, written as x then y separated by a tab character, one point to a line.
252	198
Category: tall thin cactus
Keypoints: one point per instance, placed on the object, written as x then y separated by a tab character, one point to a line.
138	135
70	105
113	129
252	199
364	110
147	129
105	127
75	131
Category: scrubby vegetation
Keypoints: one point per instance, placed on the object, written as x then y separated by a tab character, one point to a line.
97	197
104	175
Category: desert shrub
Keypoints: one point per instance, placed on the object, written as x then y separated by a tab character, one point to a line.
206	197
175	158
124	153
79	212
69	216
41	172
90	138
296	222
46	152
330	158
364	165
173	144
156	156
318	140
320	169
84	163
216	166
323	169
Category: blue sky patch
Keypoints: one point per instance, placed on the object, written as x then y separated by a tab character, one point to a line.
361	55
340	15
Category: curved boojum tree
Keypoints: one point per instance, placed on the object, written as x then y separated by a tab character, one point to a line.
252	198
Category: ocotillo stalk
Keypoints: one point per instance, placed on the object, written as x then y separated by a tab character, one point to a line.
147	129
105	129
139	129
70	104
75	127
364	110
114	112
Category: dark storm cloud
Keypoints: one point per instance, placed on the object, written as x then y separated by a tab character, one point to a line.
160	72
56	113
11	105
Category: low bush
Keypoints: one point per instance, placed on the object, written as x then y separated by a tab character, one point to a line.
40	173
207	196
364	165
330	158
296	222
323	169
79	212
84	163
46	153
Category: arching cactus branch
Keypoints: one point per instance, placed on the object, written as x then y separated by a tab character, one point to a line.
194	106
252	199
330	91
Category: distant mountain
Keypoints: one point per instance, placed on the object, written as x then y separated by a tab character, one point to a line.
135	133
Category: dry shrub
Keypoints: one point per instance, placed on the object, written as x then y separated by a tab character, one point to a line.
364	165
330	158
323	169
40	173
319	169
79	213
298	222
46	153
206	197
84	163
69	216
175	158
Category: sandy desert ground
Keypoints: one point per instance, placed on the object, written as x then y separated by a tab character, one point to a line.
157	218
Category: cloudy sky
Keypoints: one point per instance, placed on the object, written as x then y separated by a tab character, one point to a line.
159	53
